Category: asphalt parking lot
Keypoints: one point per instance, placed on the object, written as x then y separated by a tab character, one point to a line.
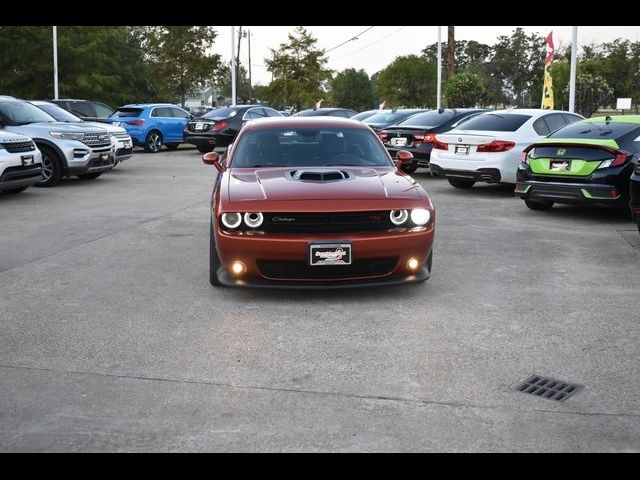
113	340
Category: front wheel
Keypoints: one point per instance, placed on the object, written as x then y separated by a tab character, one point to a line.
214	260
153	142
15	190
89	176
172	146
538	205
51	167
461	183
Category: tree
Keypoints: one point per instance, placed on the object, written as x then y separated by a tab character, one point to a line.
451	45
409	81
179	56
560	71
592	92
352	89
299	72
464	90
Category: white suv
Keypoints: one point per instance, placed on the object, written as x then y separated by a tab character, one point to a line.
20	163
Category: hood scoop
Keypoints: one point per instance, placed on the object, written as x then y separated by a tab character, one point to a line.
319	175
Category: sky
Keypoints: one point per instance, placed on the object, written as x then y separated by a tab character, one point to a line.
380	45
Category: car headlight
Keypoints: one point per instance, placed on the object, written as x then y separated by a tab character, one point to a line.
253	219
231	220
67	136
420	216
398	217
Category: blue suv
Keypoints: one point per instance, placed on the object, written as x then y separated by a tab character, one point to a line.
152	125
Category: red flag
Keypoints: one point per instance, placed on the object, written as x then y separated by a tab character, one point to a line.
382	105
549	41
318	103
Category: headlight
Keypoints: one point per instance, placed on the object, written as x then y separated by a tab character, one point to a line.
420	216
253	220
67	136
398	217
231	220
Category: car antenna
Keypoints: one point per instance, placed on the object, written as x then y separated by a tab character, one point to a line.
607	119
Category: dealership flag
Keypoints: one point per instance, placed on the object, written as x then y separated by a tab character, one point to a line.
382	105
547	91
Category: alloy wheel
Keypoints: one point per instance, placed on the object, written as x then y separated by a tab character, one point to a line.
47	167
154	142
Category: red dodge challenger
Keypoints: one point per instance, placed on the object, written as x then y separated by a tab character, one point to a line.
316	202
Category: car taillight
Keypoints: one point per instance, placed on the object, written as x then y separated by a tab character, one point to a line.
137	123
423	138
219	125
496	146
437	145
383	135
621	159
524	156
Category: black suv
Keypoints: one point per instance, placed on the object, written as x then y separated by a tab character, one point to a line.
85	109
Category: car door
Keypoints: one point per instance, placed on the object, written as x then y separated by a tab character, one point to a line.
84	110
180	118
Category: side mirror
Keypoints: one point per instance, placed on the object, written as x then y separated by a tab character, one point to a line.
403	158
212	158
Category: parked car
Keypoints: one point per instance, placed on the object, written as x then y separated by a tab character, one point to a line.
417	133
326	112
634	188
385	118
67	150
20	163
123	143
86	109
488	147
364	115
152	125
309	203
589	162
218	128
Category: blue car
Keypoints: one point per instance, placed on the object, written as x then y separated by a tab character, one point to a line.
152	125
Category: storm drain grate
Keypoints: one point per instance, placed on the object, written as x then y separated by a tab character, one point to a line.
548	388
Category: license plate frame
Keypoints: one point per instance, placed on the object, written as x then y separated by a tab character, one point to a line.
334	253
560	165
461	150
28	160
199	126
398	142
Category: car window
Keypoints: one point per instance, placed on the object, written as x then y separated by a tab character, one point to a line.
541	127
595	130
497	122
464	119
161	112
83	109
220	113
272	113
254	113
60	114
102	111
127	112
23	113
570	118
178	113
389	117
555	121
433	118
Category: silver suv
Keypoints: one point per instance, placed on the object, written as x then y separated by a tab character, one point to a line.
67	150
20	163
124	145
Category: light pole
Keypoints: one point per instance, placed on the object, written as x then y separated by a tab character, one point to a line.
439	88
572	77
55	62
233	66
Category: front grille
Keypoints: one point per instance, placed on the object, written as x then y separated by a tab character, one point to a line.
297	270
15	147
21	173
120	134
326	222
99	162
96	139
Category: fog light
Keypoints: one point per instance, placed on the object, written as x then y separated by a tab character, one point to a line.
237	268
413	264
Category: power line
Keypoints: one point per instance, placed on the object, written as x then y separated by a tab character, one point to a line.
372	43
350	40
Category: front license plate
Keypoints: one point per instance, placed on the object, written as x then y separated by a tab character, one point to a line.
462	150
104	157
27	160
127	144
330	254
560	165
199	126
399	142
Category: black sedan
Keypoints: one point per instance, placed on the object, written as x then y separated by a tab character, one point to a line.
219	127
391	117
326	112
418	132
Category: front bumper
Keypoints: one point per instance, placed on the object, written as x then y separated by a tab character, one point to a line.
280	260
487	175
124	149
18	176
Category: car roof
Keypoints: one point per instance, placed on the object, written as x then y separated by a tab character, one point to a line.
304	122
42	102
145	105
527	111
615	119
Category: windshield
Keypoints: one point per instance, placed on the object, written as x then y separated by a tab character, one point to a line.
309	147
496	122
363	115
60	114
23	113
220	113
590	130
430	119
390	117
127	112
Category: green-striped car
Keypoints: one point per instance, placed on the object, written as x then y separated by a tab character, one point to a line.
587	162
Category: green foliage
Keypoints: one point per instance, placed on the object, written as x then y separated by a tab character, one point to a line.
299	72
560	71
464	90
179	57
592	92
352	88
409	81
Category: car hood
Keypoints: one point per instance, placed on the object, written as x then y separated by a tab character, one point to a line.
57	127
279	185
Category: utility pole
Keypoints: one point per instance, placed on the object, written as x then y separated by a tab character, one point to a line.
572	77
238	79
233	67
249	46
439	88
451	50
55	62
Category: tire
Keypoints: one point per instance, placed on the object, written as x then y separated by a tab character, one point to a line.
172	146
430	262
51	167
204	148
89	176
538	205
153	142
214	260
461	183
409	168
15	190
